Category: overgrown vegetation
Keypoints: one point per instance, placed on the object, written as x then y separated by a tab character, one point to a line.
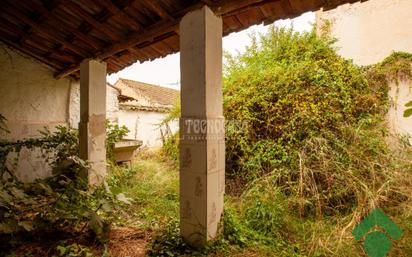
114	133
152	184
314	158
61	203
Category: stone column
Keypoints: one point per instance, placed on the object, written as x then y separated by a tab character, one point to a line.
202	145
92	127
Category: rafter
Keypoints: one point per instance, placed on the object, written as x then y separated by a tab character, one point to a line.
5	25
155	6
156	30
116	11
124	31
49	33
78	10
91	41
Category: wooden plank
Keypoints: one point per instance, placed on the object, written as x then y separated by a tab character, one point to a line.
230	7
46	32
31	52
60	21
149	34
62	56
250	17
154	31
116	11
155	6
102	28
224	8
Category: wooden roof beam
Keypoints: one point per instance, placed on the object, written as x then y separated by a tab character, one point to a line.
41	18
160	28
32	54
49	33
78	10
5	25
155	6
91	41
149	34
154	31
116	11
228	7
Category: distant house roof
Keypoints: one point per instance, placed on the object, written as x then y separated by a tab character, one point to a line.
139	95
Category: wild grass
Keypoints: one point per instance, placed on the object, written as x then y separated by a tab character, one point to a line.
316	157
152	185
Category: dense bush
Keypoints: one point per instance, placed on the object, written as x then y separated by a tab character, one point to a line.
314	157
315	121
289	88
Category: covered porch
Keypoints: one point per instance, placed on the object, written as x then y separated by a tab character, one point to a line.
86	41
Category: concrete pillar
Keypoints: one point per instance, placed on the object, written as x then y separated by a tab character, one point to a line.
202	145
92	127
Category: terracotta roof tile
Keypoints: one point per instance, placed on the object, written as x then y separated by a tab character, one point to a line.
158	95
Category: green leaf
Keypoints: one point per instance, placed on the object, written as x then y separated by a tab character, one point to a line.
407	113
96	223
62	250
409	104
28	226
4	196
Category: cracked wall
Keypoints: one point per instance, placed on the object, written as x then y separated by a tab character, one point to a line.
30	99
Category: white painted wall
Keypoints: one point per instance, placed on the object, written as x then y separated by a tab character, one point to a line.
112	104
371	30
30	99
368	32
143	125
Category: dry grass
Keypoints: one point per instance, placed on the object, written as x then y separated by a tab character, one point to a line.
128	242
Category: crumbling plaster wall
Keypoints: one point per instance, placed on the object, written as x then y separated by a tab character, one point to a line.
112	105
30	99
368	32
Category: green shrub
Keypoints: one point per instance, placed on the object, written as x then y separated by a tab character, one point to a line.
290	87
57	202
315	149
62	202
114	133
171	146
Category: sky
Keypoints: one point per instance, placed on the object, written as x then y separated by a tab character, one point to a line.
166	71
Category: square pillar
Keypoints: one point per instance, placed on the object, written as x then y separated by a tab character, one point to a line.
92	126
202	141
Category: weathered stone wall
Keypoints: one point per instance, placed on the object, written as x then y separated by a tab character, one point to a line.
30	99
370	31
